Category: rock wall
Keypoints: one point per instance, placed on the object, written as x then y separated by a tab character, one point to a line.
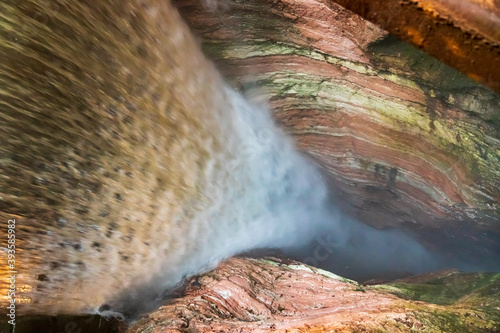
463	34
248	295
404	139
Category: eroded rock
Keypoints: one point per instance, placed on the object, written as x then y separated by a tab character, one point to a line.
406	140
264	295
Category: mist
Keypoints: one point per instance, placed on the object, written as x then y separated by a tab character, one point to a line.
355	250
261	192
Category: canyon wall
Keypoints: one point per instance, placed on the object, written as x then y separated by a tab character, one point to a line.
404	139
248	295
463	34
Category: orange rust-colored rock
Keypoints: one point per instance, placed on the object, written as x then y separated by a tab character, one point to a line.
405	140
464	34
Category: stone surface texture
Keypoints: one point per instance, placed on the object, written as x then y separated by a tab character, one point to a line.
265	295
405	140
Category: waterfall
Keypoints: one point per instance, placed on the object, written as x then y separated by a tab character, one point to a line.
134	165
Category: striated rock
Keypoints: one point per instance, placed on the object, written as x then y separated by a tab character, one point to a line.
463	34
405	140
249	295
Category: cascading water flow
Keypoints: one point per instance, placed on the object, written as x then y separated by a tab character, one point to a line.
260	192
128	164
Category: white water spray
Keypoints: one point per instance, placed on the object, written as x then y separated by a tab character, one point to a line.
152	169
263	193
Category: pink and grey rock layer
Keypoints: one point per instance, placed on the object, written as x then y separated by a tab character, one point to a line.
405	139
248	295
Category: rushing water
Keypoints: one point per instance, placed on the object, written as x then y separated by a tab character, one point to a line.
130	164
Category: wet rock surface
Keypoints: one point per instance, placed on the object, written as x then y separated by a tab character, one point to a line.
269	295
405	140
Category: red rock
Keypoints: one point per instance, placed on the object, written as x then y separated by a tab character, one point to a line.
249	295
404	139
